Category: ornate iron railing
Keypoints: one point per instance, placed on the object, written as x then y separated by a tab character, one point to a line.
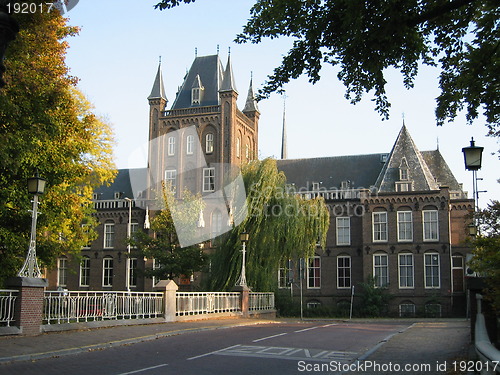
260	301
7	306
194	303
68	307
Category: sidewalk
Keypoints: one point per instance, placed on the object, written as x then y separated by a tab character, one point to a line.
55	344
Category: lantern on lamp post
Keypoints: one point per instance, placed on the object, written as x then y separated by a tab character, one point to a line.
473	159
30	269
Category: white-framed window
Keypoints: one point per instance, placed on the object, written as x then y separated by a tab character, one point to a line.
247	151
432	271
379	226
431	226
62	272
216	223
134	227
86	230
284	275
315	186
109	234
171	179
407	310
132	272
238	147
208	179
171	146
156	266
190	144
343	272
314	273
107	271
404	186
313	304
209	143
381	270
343	231
85	271
406	271
403	174
405	226
195	95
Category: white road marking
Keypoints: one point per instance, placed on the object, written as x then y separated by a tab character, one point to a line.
270	337
143	369
329	325
214	352
306	329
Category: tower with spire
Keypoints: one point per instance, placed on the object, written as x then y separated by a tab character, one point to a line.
207	99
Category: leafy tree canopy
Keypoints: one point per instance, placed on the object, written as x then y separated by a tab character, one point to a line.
364	38
281	226
46	124
486	258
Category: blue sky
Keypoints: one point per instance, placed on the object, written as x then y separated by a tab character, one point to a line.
116	58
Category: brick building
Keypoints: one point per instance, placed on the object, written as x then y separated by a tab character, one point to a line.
399	216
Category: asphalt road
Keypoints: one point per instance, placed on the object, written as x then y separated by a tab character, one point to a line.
284	348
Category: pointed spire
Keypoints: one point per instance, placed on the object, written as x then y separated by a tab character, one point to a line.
158	91
228	79
284	149
251	103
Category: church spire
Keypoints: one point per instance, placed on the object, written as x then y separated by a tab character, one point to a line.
284	150
158	91
228	79
251	103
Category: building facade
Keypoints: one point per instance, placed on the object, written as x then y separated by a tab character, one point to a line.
398	217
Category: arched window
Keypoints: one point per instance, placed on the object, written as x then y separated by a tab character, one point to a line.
238	147
209	143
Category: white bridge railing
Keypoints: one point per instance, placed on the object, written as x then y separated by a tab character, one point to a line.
488	354
195	303
260	301
69	307
7	304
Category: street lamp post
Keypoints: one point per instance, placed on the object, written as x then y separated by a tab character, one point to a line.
129	230
242	281
30	269
473	159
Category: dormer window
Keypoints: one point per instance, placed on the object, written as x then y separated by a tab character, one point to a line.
345	185
403	170
197	91
315	186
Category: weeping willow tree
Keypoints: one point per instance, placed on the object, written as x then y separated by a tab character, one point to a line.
281	225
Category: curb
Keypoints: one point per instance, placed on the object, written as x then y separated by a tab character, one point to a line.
117	343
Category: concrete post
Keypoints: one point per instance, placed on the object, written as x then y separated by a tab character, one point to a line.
169	287
29	303
244	299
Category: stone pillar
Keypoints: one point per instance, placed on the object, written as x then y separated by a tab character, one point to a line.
29	303
169	287
244	299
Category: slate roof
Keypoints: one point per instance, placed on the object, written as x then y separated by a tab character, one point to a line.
210	72
251	103
440	170
419	172
127	182
361	170
158	90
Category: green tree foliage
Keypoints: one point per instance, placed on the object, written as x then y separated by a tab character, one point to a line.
364	38
281	226
47	125
171	261
373	300
486	258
